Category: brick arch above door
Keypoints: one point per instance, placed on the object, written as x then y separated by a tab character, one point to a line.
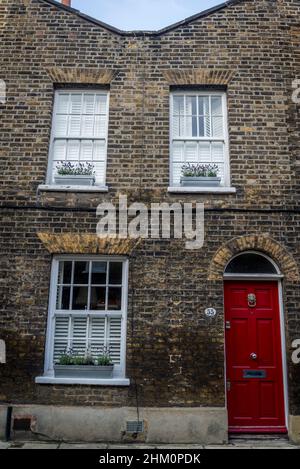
261	243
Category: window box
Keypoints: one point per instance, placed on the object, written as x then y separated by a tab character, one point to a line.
74	180
200	181
83	371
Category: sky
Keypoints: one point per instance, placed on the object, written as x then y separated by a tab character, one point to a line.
142	14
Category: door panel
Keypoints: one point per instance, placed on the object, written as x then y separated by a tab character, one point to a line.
254	372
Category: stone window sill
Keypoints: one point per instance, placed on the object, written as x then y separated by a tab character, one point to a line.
61	188
202	190
88	382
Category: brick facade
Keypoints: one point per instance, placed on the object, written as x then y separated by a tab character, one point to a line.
175	356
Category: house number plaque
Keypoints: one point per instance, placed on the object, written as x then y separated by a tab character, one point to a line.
210	312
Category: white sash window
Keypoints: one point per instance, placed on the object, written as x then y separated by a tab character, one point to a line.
87	310
198	133
79	131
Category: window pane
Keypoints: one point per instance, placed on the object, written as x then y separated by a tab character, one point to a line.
191	126
81	272
59	150
191	105
63	298
203	105
64	272
99	273
191	152
114	298
80	297
86	151
63	103
74	126
250	263
76	103
73	150
98	298
100	126
115	273
216	106
204	152
61	126
217	152
217	126
88	103
101	104
178	103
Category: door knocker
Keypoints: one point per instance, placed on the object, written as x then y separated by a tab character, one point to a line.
251	300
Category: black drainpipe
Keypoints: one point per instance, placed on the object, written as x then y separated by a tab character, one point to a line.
8	423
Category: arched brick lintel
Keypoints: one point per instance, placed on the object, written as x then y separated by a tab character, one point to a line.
262	243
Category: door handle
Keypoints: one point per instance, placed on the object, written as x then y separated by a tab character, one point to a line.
253	356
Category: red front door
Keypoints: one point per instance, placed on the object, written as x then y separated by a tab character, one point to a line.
254	374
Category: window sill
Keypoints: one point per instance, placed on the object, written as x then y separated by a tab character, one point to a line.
61	188
88	382
202	190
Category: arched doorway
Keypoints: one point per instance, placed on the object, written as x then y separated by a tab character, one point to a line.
255	381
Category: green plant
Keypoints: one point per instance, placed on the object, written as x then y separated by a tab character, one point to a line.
66	168
104	359
69	358
199	170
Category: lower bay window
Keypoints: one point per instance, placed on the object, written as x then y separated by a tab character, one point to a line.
87	320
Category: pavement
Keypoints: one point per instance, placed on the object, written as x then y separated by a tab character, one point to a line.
233	444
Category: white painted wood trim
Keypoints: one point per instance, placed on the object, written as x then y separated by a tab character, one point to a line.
88	382
202	190
61	188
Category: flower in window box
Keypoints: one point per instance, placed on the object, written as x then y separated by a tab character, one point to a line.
71	365
200	175
68	173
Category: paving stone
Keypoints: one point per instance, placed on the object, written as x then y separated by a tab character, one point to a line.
4	444
37	445
83	446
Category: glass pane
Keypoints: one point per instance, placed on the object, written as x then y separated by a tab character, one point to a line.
59	150
115	273
191	126
201	127
87	126
217	126
178	151
191	105
204	152
114	298
203	105
216	106
86	151
99	273
81	272
64	272
76	103
73	150
98	298
80	296
101	104
178	105
63	298
75	126
61	126
250	263
191	152
62	104
89	104
217	152
207	131
100	126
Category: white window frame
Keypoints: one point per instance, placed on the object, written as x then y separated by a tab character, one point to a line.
224	187
119	374
57	92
